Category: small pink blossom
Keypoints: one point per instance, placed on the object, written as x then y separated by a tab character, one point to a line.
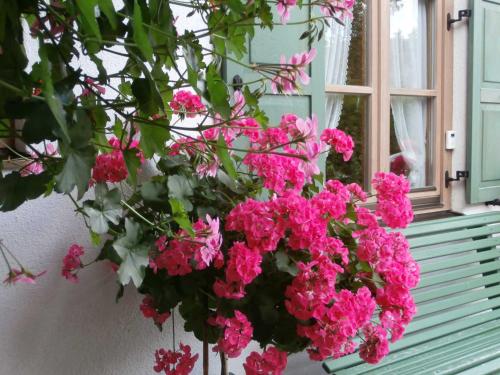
185	103
340	141
286	80
179	362
22	276
237	333
150	311
284	7
271	362
376	346
72	262
93	87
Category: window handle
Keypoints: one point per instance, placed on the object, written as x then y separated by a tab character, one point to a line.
461	14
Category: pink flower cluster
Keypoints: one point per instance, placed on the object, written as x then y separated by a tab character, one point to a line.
110	166
175	362
271	362
92	87
340	141
394	206
72	262
36	167
237	333
333	331
178	255
151	312
285	81
185	103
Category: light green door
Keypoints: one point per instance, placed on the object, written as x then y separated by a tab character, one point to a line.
483	151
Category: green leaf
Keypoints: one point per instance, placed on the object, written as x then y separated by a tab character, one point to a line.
53	102
284	264
76	171
108	210
133	253
89	20
180	216
180	189
15	189
217	91
154	191
147	96
140	36
223	154
154	137
108	9
133	164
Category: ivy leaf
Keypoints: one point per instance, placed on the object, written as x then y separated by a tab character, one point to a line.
223	154
109	210
180	189
76	171
133	253
180	216
140	36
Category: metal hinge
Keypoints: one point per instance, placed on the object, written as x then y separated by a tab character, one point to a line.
459	175
461	14
494	202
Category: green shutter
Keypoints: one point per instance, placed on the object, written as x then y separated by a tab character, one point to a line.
483	152
266	47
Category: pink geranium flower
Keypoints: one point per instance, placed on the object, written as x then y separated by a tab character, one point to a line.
72	262
22	276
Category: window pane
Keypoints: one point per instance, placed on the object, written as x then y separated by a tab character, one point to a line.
346	49
412	35
412	140
349	113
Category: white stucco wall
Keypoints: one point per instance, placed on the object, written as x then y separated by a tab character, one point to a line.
59	328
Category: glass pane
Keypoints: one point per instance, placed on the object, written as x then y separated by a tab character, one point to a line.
412	44
346	49
412	140
349	113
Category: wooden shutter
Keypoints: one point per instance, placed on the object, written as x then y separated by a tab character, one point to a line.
266	47
484	102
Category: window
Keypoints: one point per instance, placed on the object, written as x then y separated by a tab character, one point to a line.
387	84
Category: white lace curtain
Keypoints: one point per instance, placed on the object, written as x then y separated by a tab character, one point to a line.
409	70
338	39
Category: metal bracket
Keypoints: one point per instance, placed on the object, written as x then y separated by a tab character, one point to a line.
494	202
461	14
459	175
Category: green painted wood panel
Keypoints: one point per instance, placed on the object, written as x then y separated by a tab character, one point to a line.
484	104
266	47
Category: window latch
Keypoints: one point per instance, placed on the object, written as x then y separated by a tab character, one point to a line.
237	82
461	14
459	175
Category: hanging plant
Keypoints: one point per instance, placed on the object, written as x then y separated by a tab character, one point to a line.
236	229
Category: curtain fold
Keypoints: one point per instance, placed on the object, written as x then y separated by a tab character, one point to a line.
409	70
338	40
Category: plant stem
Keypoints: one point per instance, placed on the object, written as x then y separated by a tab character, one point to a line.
205	350
223	364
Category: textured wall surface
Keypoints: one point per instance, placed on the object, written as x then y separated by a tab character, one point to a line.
59	328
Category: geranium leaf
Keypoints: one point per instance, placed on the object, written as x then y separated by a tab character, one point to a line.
109	210
180	189
140	36
223	154
133	253
180	216
89	20
76	171
108	9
